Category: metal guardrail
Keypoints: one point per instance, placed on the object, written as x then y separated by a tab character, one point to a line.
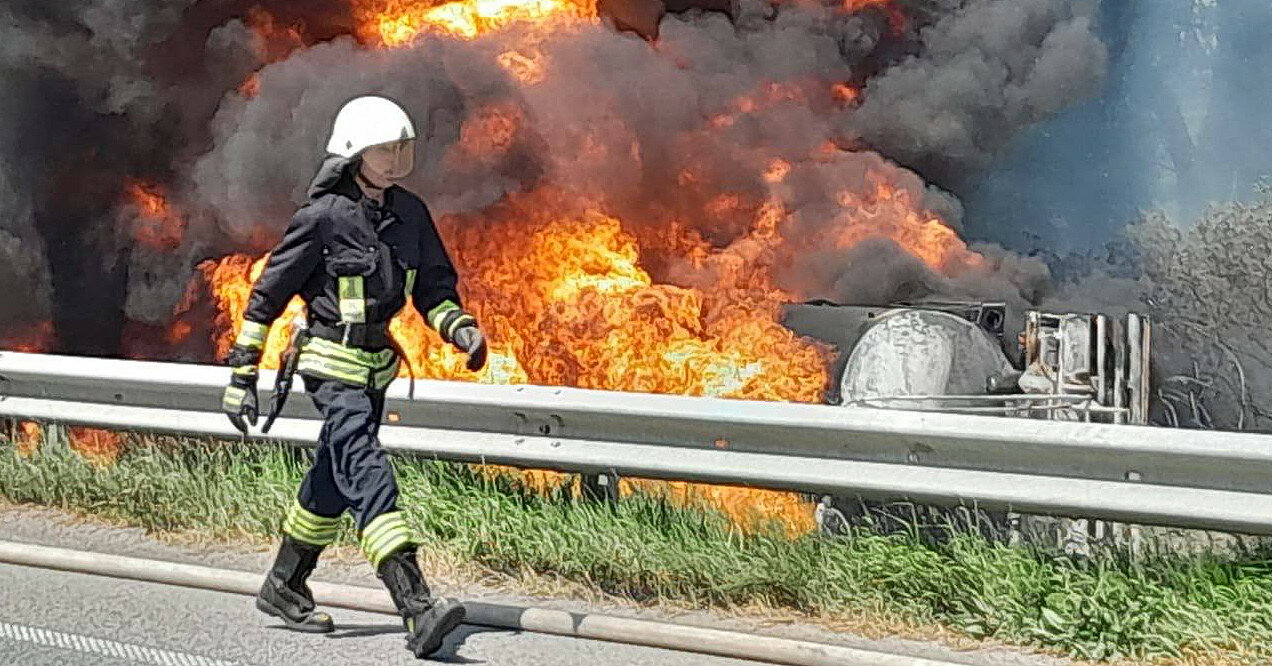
1209	480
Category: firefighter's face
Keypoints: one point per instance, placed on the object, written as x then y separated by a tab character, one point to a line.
388	163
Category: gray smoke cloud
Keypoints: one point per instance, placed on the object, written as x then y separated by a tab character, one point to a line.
23	271
984	72
98	95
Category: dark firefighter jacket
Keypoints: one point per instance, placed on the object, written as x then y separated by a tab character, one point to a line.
354	262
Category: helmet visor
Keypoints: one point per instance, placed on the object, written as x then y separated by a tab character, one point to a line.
392	161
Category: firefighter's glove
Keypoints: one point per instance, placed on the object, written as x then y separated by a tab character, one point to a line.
470	339
239	400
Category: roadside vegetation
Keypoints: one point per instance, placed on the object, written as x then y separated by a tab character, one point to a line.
1182	609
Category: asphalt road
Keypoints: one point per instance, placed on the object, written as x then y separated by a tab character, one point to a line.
52	618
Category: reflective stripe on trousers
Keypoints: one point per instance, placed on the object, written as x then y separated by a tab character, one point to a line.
350	471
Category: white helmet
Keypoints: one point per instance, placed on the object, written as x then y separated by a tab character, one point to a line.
368	121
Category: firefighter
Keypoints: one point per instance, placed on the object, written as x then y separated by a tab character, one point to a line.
355	252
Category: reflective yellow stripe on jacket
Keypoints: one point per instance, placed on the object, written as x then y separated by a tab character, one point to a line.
325	359
252	335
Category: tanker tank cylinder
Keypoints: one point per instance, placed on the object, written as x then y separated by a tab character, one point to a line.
927	360
922	359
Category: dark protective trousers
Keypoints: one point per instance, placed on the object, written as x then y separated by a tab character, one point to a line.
350	471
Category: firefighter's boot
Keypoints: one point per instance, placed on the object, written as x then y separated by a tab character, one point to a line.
286	595
428	619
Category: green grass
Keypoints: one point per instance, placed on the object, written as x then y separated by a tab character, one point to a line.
646	549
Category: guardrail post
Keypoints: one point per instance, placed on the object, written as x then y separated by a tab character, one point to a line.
300	455
599	487
56	438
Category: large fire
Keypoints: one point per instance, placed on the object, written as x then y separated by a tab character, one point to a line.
566	302
563	285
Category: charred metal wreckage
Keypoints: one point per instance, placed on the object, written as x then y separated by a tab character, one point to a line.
958	357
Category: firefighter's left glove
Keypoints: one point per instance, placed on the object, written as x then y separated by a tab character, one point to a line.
239	400
470	339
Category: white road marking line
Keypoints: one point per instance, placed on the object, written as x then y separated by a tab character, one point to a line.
108	648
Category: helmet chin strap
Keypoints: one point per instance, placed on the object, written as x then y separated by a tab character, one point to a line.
369	188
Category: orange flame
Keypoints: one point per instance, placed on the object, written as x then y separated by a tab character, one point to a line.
747	507
490	132
777	171
527	65
398	22
273	41
35	339
250	87
101	447
30	438
890	212
897	20
178	333
155	226
845	93
230	280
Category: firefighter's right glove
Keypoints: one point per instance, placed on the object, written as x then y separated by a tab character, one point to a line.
239	400
470	339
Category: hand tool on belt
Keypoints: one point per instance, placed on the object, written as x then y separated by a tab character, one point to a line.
287	373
